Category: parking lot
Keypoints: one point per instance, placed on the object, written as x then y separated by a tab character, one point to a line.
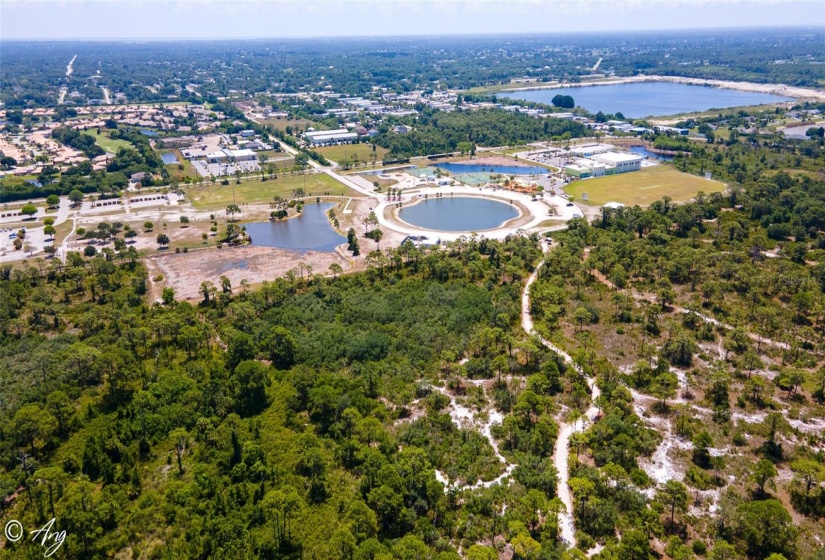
224	169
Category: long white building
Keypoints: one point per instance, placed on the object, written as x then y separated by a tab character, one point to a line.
608	163
330	137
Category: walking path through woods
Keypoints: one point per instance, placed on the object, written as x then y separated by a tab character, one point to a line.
566	430
651	298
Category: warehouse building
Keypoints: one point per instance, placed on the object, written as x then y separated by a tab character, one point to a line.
222	156
330	137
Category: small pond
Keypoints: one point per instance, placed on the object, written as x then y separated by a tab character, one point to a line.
311	231
642	151
147	132
169	158
459	168
459	213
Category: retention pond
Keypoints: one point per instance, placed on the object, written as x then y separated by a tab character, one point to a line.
311	231
460	213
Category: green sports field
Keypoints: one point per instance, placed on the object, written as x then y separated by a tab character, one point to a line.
642	187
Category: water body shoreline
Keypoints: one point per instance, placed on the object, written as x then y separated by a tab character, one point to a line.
774	89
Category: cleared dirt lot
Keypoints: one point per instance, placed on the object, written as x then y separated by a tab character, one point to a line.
186	271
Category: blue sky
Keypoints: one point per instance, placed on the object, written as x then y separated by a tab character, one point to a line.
189	19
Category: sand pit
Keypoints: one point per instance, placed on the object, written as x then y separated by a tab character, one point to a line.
185	271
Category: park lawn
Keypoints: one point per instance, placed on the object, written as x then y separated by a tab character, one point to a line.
552	223
111	146
62	230
642	187
261	192
344	152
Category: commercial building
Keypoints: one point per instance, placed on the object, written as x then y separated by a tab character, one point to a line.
609	163
585	168
330	137
221	156
621	163
587	150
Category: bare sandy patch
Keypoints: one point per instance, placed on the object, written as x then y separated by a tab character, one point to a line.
184	272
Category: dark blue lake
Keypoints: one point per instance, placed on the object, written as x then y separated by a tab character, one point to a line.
649	98
459	168
311	231
459	213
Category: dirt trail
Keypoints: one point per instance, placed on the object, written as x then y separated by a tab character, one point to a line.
650	298
463	417
566	430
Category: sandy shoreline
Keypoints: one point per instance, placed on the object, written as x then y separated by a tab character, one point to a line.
776	89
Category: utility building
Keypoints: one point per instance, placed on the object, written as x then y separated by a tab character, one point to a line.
330	137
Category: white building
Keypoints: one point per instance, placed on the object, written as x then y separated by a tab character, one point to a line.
587	150
609	163
222	156
330	137
621	162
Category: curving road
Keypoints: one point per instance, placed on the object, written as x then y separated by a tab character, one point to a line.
566	430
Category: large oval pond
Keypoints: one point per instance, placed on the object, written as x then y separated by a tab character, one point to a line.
459	168
311	231
460	213
644	99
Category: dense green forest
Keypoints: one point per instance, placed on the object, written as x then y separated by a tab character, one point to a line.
311	417
437	132
316	417
270	423
707	322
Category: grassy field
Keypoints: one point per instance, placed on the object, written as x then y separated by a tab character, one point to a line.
643	187
111	146
62	231
300	122
346	152
258	192
551	223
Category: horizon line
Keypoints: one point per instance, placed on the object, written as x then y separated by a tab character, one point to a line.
408	35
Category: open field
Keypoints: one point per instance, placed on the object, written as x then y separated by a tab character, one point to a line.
261	192
111	146
346	152
185	272
301	123
643	187
552	223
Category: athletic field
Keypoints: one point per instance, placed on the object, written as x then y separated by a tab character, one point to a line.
642	187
